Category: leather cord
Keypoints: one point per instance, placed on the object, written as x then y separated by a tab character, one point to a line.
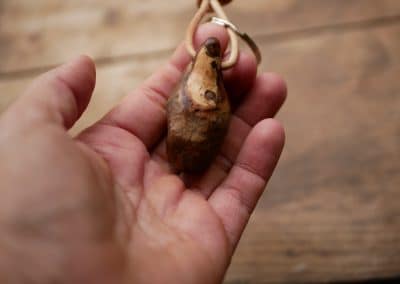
216	7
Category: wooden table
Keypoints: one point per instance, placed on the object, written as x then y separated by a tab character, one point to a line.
332	210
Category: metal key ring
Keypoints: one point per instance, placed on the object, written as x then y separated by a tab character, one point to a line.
251	43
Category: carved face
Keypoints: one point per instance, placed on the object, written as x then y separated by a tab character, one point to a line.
202	86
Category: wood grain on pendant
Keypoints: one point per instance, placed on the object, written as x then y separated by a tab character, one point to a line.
199	113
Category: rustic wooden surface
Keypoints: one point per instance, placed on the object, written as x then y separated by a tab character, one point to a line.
332	210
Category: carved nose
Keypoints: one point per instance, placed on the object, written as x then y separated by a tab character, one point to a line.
213	47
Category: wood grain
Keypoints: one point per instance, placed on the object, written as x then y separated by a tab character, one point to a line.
331	212
41	33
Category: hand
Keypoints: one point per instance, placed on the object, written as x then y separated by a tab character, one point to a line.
104	207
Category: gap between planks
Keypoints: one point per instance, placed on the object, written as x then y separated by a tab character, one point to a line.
262	38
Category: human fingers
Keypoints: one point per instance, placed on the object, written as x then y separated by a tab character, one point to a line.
235	199
264	101
143	113
59	96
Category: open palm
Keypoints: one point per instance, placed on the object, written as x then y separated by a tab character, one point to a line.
151	225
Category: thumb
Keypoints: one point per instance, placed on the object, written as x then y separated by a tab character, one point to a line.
59	96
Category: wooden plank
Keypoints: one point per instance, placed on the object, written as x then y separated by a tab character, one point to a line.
41	33
331	212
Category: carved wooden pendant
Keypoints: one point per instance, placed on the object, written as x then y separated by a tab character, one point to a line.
199	113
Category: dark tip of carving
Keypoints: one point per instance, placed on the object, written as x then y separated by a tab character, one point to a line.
213	47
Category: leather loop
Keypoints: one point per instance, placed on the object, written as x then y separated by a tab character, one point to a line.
216	7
